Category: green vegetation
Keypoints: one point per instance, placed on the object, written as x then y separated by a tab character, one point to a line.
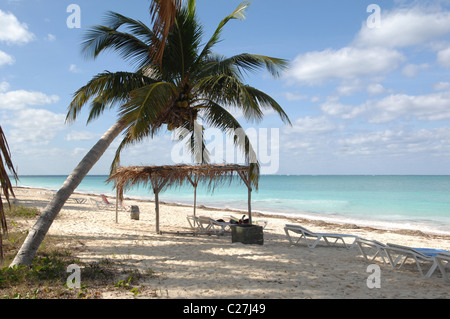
47	277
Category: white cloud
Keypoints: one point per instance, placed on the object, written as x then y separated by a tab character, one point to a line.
443	58
429	107
35	126
310	125
411	70
335	108
4	86
346	63
376	89
5	59
50	37
20	99
397	142
442	86
405	27
74	69
424	107
290	96
348	88
80	136
12	31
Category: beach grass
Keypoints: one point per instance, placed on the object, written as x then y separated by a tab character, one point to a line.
47	277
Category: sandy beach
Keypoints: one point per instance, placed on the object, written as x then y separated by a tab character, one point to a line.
211	266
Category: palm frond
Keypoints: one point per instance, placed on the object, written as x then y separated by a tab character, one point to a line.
228	90
183	42
133	46
264	101
7	189
238	13
254	62
106	89
145	107
196	143
163	14
217	116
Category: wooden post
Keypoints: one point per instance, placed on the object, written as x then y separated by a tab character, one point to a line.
157	187
157	210
249	187
194	183
195	199
117	205
250	205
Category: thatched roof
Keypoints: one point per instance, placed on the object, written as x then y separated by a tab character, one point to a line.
159	177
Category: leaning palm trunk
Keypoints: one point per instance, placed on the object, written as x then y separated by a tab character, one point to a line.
36	235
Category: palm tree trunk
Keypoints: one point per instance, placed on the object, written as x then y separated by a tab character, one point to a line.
36	235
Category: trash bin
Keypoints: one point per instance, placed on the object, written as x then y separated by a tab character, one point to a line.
134	212
247	234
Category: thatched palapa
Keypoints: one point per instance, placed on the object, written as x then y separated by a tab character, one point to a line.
159	177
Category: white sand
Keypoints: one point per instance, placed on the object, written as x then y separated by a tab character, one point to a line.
205	266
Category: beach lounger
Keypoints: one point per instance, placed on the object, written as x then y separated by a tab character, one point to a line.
106	202
193	222
305	234
107	205
371	249
399	254
209	224
206	224
78	200
443	261
112	204
199	224
97	204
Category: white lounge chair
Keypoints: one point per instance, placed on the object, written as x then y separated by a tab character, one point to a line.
192	220
398	254
97	204
371	249
107	205
206	224
443	261
78	200
209	224
305	233
112	204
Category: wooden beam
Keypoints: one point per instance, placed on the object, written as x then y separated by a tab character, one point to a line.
157	211
249	187
194	184
157	187
117	205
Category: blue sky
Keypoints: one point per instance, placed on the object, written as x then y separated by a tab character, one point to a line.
362	98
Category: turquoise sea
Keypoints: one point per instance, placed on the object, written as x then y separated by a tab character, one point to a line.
410	202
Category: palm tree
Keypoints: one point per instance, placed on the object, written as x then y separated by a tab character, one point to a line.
36	235
7	190
191	82
188	82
